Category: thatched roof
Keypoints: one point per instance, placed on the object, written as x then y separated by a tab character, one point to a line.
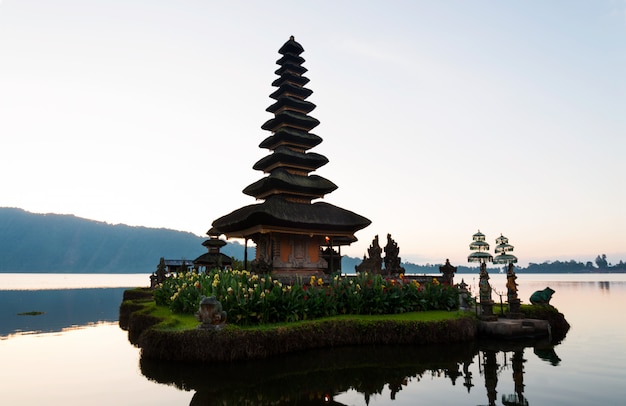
281	180
278	213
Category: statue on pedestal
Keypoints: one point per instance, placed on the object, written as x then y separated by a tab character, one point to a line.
210	314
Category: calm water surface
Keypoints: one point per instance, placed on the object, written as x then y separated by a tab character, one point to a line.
75	353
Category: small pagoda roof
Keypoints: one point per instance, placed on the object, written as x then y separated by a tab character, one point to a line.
292	103
292	119
212	259
290	77
290	67
280	180
213	232
279	214
290	89
214	242
290	59
282	155
291	136
291	47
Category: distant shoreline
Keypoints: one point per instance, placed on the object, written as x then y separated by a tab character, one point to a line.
463	272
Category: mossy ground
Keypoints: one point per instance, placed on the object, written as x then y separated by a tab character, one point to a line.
164	335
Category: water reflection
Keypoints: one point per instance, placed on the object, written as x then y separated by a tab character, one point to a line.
56	309
318	377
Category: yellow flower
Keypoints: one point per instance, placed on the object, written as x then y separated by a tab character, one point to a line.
435	281
415	283
320	281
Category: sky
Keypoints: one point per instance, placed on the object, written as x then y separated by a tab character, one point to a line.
439	118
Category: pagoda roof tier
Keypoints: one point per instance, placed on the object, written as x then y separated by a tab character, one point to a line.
213	259
280	181
280	215
291	103
290	77
291	47
285	157
290	119
214	242
291	67
291	137
291	58
290	89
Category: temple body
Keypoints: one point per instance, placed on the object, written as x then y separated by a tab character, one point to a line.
293	234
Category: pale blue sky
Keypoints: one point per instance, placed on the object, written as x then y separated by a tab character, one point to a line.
439	118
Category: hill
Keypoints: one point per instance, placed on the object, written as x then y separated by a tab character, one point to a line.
65	243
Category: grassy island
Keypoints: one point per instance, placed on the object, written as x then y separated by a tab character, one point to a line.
164	335
268	318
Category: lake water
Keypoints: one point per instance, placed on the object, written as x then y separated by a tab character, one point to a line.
75	353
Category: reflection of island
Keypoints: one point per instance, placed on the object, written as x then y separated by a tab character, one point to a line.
316	377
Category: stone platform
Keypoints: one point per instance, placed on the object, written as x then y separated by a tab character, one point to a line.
514	328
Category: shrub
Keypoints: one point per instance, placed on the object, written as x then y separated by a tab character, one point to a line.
259	299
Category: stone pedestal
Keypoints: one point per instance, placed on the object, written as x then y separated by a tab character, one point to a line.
486	311
514	309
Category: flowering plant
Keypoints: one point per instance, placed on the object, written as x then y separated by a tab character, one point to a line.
256	299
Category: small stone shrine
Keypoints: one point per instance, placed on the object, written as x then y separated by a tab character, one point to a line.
448	271
292	234
213	258
373	263
392	259
159	276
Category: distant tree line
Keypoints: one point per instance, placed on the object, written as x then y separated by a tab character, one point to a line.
601	266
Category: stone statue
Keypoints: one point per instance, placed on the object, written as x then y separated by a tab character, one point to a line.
511	284
210	314
484	289
374	263
483	285
542	297
160	275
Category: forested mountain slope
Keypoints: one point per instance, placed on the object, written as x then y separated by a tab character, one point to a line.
65	243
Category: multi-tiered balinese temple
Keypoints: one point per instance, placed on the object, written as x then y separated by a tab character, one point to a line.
293	234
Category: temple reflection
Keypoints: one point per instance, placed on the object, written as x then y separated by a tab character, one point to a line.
318	377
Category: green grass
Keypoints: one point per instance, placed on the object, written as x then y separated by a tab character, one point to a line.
180	322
